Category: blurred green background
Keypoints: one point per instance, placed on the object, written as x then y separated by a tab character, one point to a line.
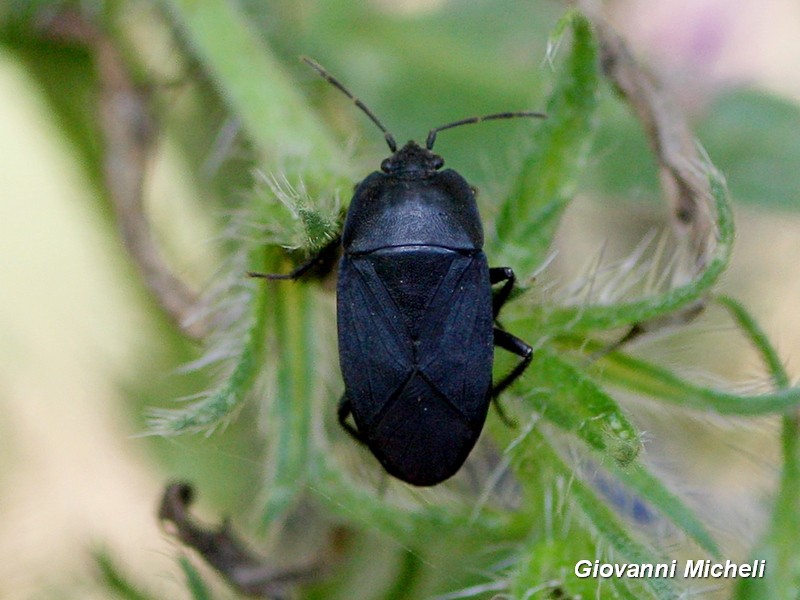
85	350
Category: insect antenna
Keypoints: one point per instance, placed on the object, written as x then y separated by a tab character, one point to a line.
338	85
505	115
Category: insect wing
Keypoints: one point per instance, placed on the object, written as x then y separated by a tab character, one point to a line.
457	352
375	353
419	393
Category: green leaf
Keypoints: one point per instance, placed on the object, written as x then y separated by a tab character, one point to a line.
626	169
657	382
528	218
586	318
749	132
115	581
292	141
289	424
652	489
537	455
258	90
541	574
570	399
779	547
752	137
219	405
758	339
407	524
616	535
194	582
66	76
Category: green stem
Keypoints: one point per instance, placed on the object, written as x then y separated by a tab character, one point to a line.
252	81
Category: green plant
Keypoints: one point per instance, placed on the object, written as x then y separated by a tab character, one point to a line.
273	346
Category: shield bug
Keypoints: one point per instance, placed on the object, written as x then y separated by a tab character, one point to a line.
416	311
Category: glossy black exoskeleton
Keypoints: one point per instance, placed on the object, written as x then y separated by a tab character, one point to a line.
416	312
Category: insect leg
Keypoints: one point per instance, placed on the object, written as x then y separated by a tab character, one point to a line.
513	344
326	256
498	275
343	412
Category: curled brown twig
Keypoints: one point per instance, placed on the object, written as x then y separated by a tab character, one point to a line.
248	573
683	179
129	131
685	185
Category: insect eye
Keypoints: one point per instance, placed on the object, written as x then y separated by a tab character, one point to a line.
386	165
438	162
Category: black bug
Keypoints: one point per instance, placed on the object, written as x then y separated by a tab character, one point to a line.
417	316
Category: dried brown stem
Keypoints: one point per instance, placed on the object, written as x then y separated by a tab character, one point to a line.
683	178
129	132
242	569
685	184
